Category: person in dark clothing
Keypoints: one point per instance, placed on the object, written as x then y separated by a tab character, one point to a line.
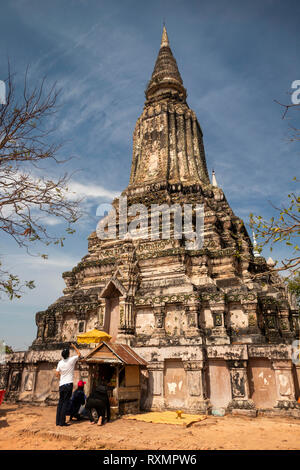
98	403
78	399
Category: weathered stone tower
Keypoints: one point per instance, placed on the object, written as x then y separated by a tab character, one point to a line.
214	333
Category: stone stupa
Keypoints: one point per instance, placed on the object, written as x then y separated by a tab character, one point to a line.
213	331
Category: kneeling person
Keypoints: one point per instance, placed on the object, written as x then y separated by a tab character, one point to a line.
99	401
77	400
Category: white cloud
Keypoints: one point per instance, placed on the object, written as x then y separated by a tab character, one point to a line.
90	191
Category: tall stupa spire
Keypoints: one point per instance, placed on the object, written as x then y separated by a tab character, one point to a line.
167	141
165	77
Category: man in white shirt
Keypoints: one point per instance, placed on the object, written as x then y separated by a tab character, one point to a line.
65	372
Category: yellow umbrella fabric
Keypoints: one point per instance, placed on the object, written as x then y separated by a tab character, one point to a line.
93	336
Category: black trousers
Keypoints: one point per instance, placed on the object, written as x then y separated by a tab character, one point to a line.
101	406
65	393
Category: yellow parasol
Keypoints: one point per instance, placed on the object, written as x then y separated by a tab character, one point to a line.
93	336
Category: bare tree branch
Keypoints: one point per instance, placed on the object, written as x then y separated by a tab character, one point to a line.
27	199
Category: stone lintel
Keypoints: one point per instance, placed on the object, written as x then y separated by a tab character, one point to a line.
272	352
227	352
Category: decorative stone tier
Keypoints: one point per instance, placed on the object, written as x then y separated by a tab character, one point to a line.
193	378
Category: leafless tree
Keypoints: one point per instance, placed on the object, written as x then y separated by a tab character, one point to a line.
28	195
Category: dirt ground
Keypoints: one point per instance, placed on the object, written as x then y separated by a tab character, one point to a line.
29	427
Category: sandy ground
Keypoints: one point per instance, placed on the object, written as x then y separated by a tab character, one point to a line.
29	427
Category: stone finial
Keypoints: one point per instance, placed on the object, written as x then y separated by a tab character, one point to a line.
164	38
271	262
214	180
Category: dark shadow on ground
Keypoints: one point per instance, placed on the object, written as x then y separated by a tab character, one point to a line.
3	423
4	411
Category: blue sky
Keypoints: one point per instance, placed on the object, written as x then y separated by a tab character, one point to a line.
235	58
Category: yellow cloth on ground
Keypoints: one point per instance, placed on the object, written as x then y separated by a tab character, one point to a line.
167	417
93	336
